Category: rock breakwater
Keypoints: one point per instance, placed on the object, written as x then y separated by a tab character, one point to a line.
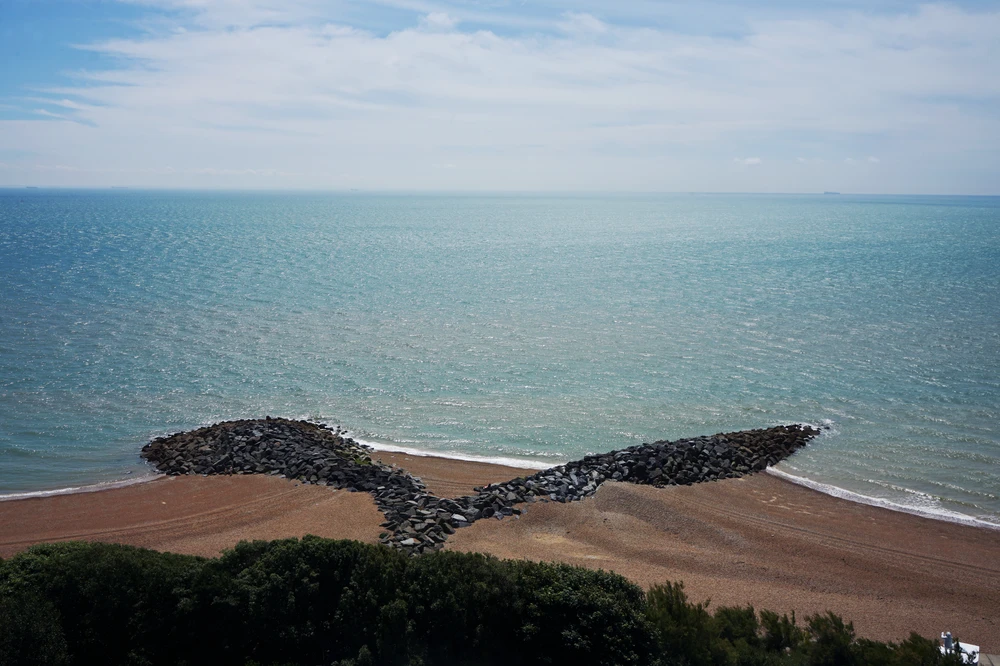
418	521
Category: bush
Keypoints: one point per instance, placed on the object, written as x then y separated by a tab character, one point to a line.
344	603
781	633
115	604
832	641
30	632
687	634
462	605
314	600
607	626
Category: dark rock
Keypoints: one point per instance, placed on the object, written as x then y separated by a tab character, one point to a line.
419	522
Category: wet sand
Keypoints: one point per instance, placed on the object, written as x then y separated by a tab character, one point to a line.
758	540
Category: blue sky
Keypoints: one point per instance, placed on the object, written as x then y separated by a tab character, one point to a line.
634	95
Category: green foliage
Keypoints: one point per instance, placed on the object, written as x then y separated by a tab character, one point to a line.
921	651
738	624
110	599
781	633
463	604
832	641
344	603
316	599
609	625
30	632
686	633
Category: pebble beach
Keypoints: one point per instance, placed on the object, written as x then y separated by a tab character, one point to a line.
754	539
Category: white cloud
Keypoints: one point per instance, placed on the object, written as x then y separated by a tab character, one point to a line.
294	94
582	23
873	160
438	21
50	114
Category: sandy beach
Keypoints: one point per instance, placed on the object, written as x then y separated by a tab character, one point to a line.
759	540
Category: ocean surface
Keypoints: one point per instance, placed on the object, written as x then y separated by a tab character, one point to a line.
537	328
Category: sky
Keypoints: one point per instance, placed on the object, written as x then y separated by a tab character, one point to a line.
880	96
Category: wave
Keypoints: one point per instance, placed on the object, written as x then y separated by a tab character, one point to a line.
935	513
74	490
524	463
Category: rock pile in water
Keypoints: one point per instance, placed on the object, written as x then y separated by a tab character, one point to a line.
417	521
682	462
309	452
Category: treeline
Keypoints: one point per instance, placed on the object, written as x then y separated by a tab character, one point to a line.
319	601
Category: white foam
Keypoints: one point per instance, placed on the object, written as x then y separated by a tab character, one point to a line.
93	488
524	463
936	513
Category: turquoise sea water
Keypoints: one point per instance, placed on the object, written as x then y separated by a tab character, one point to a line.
534	327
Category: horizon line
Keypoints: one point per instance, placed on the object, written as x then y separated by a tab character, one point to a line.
396	191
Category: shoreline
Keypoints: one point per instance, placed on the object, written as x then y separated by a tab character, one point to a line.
501	461
760	539
831	490
79	490
944	515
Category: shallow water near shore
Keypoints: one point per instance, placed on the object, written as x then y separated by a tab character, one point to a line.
538	328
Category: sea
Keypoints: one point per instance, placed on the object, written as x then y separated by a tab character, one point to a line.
533	328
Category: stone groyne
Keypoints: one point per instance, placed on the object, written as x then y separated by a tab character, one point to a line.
418	521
